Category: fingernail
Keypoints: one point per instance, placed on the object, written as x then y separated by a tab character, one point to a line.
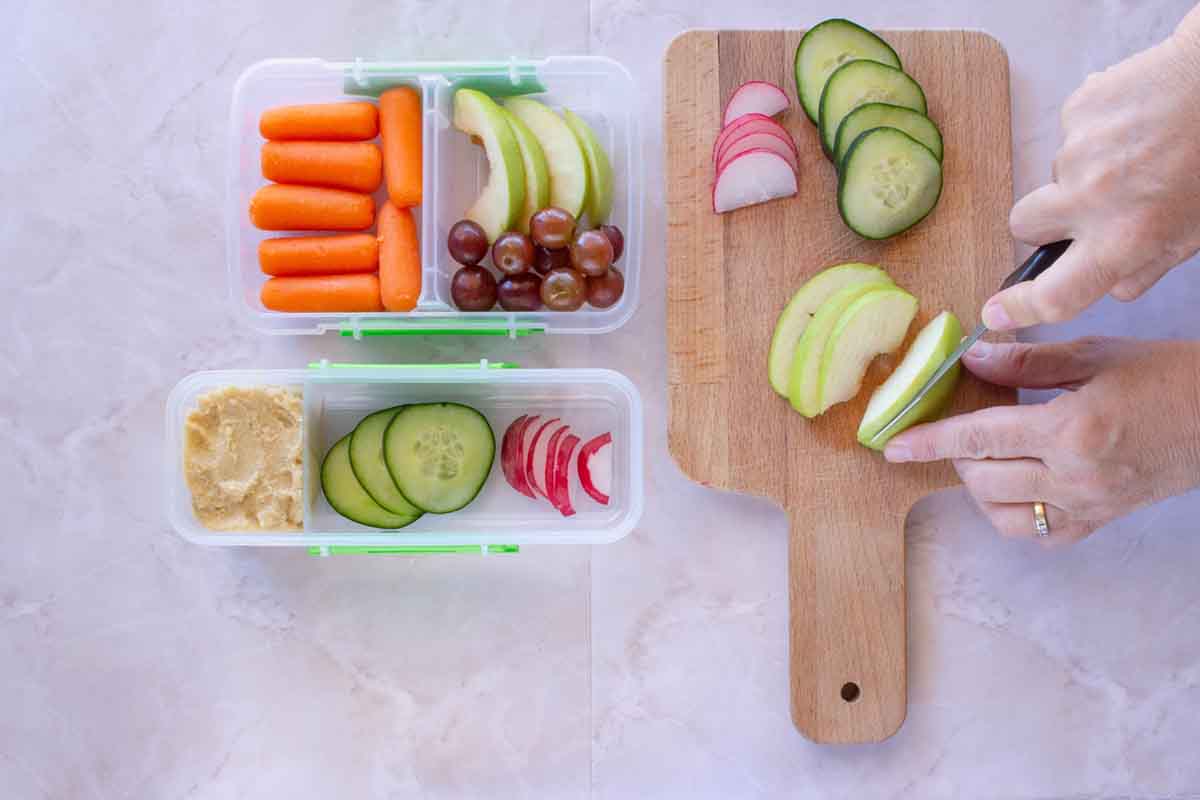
996	317
897	452
980	351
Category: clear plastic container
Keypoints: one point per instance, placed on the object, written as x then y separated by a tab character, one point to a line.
598	89
336	397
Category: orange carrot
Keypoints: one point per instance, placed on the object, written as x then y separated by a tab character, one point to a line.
323	293
399	258
357	166
400	127
343	122
284	207
319	255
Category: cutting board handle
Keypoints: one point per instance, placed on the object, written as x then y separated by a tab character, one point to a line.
848	622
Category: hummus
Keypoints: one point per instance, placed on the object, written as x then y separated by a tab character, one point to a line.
243	459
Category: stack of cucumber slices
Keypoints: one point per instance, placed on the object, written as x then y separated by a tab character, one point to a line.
873	123
402	462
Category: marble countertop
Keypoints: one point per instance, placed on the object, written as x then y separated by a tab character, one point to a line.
137	665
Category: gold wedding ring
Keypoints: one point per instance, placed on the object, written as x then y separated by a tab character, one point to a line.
1039	519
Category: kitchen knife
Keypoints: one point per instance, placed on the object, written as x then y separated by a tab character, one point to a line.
1035	265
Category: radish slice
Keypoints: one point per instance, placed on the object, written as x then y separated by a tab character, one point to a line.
550	470
595	468
522	449
750	123
755	97
562	468
755	176
535	457
507	462
511	457
768	140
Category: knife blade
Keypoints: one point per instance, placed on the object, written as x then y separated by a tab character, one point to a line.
1040	261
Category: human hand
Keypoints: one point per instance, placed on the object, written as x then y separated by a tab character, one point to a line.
1124	434
1124	186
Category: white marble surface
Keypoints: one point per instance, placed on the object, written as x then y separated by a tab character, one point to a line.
133	664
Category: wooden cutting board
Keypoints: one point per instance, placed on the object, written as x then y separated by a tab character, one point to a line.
729	277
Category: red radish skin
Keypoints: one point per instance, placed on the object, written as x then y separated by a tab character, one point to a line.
751	123
753	177
506	451
562	469
755	97
535	457
550	473
769	140
589	456
521	448
511	458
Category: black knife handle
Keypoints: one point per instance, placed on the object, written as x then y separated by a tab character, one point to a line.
1036	264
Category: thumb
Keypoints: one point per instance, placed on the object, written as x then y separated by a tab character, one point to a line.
1038	366
1060	293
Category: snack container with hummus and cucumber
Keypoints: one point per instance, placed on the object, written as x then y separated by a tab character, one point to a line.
396	458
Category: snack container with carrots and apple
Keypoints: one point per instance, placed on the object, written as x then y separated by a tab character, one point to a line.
325	156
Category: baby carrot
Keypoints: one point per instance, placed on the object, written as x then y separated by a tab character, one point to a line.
343	122
319	255
357	166
399	259
322	293
400	128
285	207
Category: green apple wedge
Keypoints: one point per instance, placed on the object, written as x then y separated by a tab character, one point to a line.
503	196
933	344
537	174
800	309
600	172
874	324
564	157
804	381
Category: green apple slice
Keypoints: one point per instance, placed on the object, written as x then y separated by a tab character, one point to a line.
564	157
873	324
600	172
537	174
804	382
933	345
800	309
503	196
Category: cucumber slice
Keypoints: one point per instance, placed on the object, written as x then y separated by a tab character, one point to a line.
827	46
366	459
347	496
861	82
439	454
886	115
888	182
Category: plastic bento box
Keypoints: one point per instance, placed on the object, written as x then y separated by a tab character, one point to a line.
598	89
336	397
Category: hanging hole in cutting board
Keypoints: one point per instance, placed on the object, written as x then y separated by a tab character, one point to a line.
850	692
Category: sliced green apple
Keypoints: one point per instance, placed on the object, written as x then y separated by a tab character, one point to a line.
804	382
564	157
933	344
800	309
873	324
537	174
503	196
600	172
